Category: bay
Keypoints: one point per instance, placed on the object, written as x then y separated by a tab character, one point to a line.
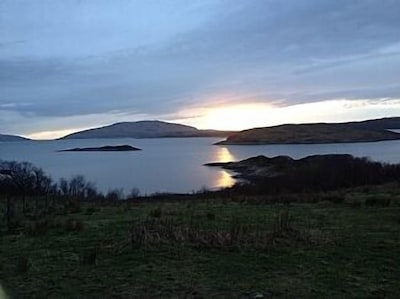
168	164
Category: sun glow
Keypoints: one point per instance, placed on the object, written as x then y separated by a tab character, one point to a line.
252	115
43	135
236	117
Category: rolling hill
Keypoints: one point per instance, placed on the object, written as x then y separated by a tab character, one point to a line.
145	129
4	137
364	131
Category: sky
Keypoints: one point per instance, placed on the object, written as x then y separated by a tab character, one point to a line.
221	64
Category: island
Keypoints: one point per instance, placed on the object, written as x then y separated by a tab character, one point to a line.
107	148
364	131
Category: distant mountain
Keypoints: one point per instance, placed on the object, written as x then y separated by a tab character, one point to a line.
12	138
145	129
364	131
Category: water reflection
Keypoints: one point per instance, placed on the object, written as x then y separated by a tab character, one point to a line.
224	178
223	155
150	170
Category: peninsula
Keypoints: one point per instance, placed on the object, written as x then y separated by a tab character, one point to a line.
364	131
311	173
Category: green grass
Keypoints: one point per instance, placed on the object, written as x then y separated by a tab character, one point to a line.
329	251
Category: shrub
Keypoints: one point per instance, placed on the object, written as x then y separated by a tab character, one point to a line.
73	225
90	257
210	216
114	195
377	202
40	227
90	210
134	193
156	213
335	198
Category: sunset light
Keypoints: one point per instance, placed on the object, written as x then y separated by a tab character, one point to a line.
236	117
251	115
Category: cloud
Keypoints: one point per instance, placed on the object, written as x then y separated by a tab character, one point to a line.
80	58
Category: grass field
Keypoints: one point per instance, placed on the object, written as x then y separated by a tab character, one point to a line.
224	248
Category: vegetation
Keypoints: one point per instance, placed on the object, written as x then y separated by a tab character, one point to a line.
313	173
72	242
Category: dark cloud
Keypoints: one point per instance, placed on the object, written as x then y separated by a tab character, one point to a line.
290	51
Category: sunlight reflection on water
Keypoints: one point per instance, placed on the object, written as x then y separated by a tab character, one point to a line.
224	155
169	164
224	179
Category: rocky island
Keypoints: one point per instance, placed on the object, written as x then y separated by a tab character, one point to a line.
364	131
107	148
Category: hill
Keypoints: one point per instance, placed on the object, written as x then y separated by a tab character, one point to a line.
364	131
4	137
145	129
284	174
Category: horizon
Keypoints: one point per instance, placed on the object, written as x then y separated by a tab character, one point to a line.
72	66
162	121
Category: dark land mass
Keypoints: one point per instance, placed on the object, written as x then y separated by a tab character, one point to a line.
312	173
107	148
146	129
364	131
4	137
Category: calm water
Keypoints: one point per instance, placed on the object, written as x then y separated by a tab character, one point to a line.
168	165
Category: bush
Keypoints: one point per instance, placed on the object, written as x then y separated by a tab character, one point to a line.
377	202
156	213
210	216
91	210
115	195
134	193
73	225
335	198
90	257
40	227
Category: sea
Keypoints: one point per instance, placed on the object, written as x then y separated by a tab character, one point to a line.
168	165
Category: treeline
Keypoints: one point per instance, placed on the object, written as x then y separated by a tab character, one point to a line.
23	179
323	173
27	193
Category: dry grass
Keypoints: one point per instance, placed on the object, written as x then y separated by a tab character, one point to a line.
155	232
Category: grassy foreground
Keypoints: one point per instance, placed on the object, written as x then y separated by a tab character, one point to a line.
241	248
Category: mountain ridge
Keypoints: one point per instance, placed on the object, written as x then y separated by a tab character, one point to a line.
360	131
7	137
145	129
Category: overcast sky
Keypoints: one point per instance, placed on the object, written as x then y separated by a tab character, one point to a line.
73	64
